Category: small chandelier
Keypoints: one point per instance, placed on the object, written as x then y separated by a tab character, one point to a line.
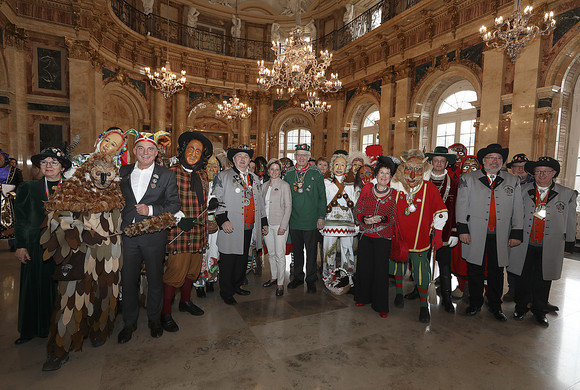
296	67
233	109
166	81
513	34
314	105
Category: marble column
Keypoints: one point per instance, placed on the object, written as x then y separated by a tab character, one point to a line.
386	109
523	119
491	90
402	141
179	119
335	124
158	103
263	114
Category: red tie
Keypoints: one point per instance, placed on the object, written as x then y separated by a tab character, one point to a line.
492	221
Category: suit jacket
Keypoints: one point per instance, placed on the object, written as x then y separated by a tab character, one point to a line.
559	230
280	206
161	194
228	190
472	213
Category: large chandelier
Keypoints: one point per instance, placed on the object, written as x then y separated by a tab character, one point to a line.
233	109
513	33
296	67
314	105
166	81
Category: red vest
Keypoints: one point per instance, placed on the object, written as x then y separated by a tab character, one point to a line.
538	224
491	223
249	210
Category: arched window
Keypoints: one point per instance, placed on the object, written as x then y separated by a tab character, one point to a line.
288	141
370	127
455	116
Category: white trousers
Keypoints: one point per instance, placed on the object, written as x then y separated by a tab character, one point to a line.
330	244
276	245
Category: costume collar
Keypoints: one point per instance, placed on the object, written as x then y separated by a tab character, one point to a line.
306	167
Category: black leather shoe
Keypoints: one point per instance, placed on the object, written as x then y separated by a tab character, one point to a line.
245	282
22	340
295	283
200	291
498	314
449	308
241	291
279	292
413	294
270	283
311	288
156	329
230	301
209	287
126	333
399	301
542	320
190	308
471	311
168	323
519	316
54	362
424	315
552	308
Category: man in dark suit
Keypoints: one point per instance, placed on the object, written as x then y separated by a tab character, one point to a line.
149	190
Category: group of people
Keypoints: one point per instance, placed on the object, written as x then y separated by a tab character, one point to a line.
83	241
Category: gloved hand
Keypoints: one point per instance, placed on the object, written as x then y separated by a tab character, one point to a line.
186	224
213	204
438	239
453	241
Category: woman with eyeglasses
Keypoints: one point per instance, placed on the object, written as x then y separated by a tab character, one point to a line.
37	287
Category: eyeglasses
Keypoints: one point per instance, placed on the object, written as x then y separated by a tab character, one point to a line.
54	163
493	158
543	172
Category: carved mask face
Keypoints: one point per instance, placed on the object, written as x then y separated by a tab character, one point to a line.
213	167
356	164
459	150
469	165
286	164
260	171
414	171
339	166
112	143
193	152
366	174
102	174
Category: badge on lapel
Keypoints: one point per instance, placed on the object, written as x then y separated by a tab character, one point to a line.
509	190
154	180
560	206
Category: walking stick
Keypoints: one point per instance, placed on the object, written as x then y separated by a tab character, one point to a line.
432	291
194	221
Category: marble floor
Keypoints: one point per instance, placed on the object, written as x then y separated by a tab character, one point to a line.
306	341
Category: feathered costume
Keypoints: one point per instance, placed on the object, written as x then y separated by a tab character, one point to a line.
81	232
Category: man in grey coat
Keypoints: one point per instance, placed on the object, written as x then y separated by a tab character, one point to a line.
489	216
549	234
241	207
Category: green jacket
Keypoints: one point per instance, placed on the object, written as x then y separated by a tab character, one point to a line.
310	205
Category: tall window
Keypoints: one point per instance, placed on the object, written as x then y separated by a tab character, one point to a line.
455	116
289	140
370	127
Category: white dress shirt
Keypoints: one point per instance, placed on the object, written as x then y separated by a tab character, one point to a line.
140	179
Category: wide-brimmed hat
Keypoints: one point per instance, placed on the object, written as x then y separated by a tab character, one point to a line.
543	162
54	153
442	151
492	148
518	158
242	148
188	136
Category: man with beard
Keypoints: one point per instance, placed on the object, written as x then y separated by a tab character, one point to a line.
489	215
447	186
421	212
188	240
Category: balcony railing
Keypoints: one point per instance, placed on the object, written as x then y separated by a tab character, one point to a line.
181	34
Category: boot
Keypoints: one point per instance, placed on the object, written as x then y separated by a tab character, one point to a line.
399	302
424	315
200	291
413	294
209	286
445	283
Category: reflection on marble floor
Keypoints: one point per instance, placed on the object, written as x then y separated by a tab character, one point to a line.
311	341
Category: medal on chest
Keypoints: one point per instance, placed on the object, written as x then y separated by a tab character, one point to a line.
410	209
299	183
540	212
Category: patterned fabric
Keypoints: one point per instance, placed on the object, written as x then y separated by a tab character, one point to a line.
9	183
538	224
194	240
369	204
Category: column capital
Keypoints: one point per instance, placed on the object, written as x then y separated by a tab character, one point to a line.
16	36
403	70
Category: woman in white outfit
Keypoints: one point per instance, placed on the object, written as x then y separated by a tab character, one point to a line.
278	202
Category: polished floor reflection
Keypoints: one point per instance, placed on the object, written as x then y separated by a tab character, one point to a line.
311	341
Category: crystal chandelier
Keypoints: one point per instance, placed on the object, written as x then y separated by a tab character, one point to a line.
314	105
296	67
166	81
513	34
233	109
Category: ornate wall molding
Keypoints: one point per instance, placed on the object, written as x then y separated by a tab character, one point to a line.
16	37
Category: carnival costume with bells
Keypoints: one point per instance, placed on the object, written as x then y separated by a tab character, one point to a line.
10	178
